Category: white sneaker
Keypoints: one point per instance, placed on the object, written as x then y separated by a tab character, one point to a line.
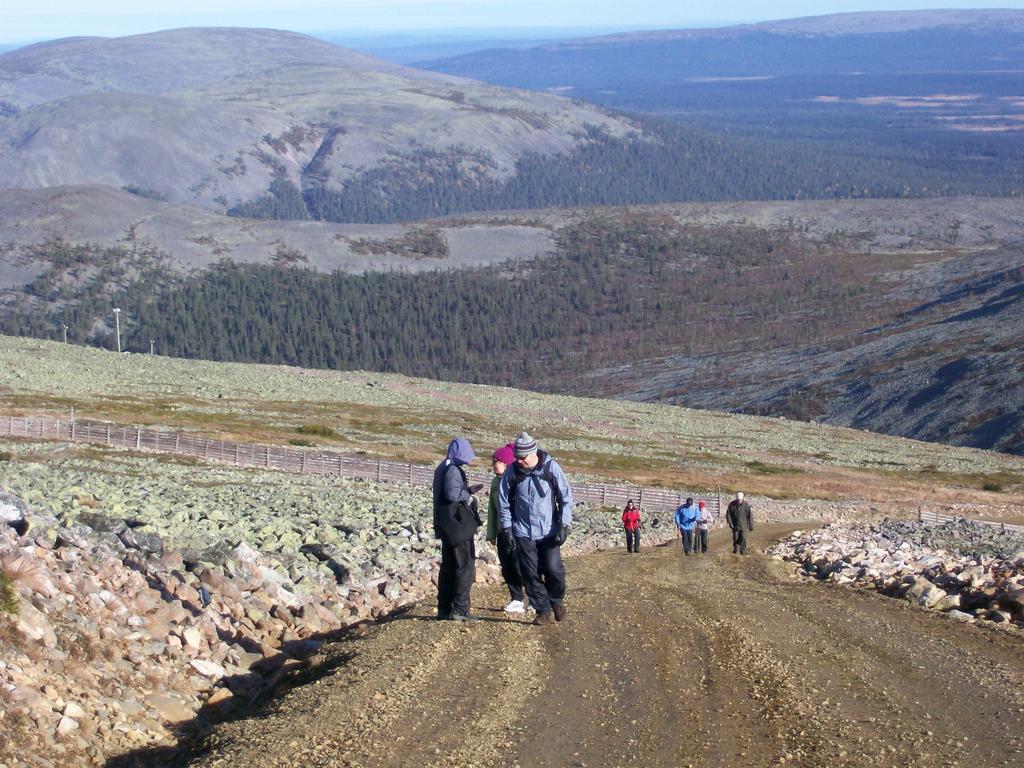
515	606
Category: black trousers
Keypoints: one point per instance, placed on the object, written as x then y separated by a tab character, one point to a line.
687	541
540	563
509	560
700	541
739	541
458	571
633	540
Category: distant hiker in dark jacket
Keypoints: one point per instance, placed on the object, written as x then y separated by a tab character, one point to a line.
631	522
501	460
455	523
535	509
741	520
686	521
703	529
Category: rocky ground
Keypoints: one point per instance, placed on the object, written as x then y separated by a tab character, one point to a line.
146	592
664	661
146	599
973	572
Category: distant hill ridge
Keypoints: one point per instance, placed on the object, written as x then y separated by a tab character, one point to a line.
270	124
274	124
855	23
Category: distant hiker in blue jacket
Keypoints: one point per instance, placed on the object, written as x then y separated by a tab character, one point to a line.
686	521
455	522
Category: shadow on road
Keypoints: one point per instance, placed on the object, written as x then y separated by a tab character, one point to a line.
257	692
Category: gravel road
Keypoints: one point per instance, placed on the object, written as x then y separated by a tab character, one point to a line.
663	661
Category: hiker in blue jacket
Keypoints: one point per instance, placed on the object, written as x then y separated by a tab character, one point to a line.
535	509
686	521
455	522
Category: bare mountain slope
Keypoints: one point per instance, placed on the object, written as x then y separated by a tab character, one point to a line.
214	117
166	62
189	238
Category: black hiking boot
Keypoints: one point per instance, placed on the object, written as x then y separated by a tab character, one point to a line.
543	618
559	610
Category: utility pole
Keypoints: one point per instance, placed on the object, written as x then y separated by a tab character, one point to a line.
117	326
65	328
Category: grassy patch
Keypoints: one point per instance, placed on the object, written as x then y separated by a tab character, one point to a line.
8	597
6	456
320	430
301	442
760	468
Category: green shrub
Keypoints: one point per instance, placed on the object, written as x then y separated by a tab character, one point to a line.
760	468
989	485
6	456
316	429
302	443
8	597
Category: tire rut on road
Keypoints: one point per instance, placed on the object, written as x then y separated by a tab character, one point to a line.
665	660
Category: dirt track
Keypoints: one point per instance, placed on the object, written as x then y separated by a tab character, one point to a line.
664	661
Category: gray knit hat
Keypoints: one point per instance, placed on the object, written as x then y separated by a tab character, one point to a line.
525	445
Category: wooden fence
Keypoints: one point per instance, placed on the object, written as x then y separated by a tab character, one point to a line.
938	518
306	461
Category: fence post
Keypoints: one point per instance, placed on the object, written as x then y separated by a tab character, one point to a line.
378	469
138	437
267	448
236	454
108	434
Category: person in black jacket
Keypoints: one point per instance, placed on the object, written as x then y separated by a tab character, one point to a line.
741	520
455	523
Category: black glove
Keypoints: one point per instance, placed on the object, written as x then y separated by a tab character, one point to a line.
506	541
562	535
476	488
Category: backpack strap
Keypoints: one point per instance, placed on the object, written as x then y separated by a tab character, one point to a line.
546	474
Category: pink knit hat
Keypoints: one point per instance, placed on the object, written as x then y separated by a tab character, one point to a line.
505	454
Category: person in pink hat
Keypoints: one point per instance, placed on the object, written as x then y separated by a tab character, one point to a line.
501	459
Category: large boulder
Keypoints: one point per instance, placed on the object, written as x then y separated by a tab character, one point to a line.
102	523
76	536
924	593
150	543
1013	602
13	512
330	556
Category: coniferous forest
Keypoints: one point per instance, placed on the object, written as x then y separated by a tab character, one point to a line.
669	163
616	291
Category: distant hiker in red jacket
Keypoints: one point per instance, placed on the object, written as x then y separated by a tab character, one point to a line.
631	522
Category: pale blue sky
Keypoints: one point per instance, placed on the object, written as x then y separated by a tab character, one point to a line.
27	21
